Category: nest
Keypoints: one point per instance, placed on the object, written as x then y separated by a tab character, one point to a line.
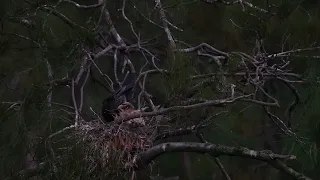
114	146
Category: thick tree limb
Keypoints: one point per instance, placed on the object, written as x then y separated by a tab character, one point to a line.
217	150
275	160
220	103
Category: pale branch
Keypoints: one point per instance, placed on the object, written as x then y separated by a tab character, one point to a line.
82	88
283	127
37	45
128	20
148	19
244	74
275	101
76	111
175	27
164	21
84	6
83	67
241	2
50	78
144	93
119	40
150	154
60	82
115	67
221	167
204	46
299	56
112	29
287	53
276	104
151	71
207	103
62	131
105	76
215	58
281	166
275	160
62	17
104	51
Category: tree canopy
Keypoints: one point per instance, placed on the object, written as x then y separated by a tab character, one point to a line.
217	89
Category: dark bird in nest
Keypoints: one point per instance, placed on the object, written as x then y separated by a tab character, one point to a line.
123	94
111	104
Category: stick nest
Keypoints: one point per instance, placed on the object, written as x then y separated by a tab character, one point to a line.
113	146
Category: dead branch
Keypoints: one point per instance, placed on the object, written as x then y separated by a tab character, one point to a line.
84	6
275	160
164	21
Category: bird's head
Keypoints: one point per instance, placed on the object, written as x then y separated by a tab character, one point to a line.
126	106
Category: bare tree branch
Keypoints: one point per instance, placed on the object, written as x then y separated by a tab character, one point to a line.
84	6
275	160
217	150
164	21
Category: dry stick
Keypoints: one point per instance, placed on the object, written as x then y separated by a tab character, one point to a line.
221	102
122	44
241	2
49	96
165	24
81	71
115	67
174	26
84	6
148	19
294	103
203	45
82	87
62	17
105	77
142	74
291	51
75	105
215	58
216	159
112	29
118	38
242	74
221	167
291	172
104	51
130	23
62	131
143	92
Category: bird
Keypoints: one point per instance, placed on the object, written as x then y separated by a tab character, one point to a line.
121	95
126	109
111	103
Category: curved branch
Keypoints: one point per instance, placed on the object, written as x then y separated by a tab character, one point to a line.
217	103
294	103
269	157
